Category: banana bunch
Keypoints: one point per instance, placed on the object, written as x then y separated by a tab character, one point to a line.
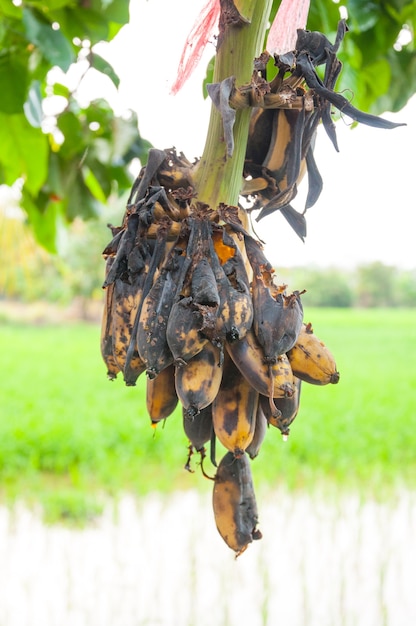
192	303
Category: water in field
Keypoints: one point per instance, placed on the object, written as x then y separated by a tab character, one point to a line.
161	562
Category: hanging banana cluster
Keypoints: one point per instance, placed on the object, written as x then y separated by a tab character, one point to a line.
192	302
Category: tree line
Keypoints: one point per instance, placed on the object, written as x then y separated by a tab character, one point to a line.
77	272
368	285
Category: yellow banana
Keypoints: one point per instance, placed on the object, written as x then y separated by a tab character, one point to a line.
273	380
234	410
161	398
311	360
198	382
234	503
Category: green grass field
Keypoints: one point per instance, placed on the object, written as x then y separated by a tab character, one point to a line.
68	435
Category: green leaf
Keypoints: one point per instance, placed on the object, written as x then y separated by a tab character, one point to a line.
114	10
55	184
323	16
24	152
52	43
9	9
93	185
33	105
53	5
13	83
71	127
103	66
61	90
85	24
44	216
403	83
81	202
102	176
120	175
363	16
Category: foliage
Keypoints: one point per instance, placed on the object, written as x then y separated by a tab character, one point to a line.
53	444
70	156
376	285
72	159
326	288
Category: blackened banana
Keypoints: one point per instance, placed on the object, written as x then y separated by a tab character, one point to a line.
106	337
287	409
199	428
260	429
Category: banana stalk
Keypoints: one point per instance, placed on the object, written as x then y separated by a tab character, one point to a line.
218	176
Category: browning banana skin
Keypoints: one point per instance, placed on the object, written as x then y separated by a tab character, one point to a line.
311	360
234	503
260	430
161	397
277	317
269	379
183	332
194	311
152	341
126	299
198	382
234	410
235	314
106	338
287	409
198	429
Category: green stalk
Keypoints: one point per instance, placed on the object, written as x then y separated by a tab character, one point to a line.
218	178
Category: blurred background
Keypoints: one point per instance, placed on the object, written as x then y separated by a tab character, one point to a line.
99	521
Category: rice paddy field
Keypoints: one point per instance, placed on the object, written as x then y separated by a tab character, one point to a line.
66	431
100	523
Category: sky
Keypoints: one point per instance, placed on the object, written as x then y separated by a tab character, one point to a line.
366	211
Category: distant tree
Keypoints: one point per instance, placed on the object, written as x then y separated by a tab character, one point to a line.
376	285
406	288
327	288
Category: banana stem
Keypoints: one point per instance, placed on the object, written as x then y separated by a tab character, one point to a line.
218	177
